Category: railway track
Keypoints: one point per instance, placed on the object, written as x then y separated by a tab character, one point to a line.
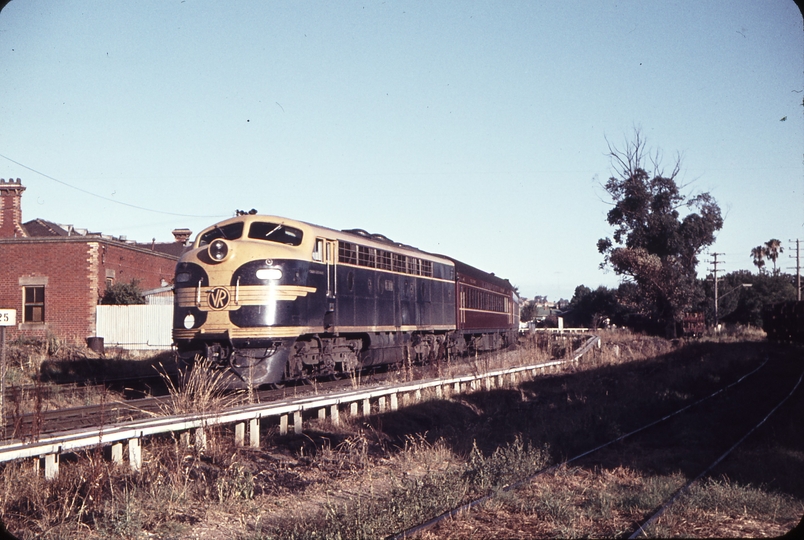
129	388
696	439
31	426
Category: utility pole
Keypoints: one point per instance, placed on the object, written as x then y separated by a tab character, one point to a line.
715	262
798	269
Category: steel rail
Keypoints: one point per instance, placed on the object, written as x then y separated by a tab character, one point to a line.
683	489
471	504
58	443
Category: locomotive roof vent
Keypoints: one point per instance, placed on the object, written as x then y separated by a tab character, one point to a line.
375	236
359	232
381	238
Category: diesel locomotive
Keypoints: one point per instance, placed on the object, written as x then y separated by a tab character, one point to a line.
265	299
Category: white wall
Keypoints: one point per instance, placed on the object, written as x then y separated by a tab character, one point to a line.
135	327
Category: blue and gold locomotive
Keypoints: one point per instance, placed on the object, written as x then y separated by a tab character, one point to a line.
267	299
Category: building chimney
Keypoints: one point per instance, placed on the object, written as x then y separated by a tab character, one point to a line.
182	235
10	208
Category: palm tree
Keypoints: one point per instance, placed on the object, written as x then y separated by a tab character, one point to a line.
772	249
759	254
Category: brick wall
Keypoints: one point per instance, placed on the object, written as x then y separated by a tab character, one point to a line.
74	273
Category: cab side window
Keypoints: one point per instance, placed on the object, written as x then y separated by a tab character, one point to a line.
318	250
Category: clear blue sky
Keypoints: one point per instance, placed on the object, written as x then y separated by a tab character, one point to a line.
474	129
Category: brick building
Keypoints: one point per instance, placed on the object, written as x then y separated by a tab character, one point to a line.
54	275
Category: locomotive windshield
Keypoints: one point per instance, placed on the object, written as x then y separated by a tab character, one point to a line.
275	232
233	231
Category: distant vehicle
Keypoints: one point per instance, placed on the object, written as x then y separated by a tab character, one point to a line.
266	299
693	323
784	321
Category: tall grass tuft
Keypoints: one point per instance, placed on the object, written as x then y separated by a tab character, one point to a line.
200	389
506	465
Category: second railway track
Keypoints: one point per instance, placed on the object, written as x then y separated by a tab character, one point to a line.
693	444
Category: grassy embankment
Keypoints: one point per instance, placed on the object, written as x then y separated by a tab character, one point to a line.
370	477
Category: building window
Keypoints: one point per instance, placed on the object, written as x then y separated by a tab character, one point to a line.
34	311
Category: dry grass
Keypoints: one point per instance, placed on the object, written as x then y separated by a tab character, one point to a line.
49	374
370	477
608	503
97	499
720	508
199	389
568	503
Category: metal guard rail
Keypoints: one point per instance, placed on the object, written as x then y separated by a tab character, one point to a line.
55	444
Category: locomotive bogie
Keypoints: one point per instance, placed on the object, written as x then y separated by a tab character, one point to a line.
268	299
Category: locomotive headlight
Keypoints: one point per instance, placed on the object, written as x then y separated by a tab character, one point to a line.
218	250
189	321
269	273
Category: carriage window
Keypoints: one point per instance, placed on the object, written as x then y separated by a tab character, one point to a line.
275	232
231	231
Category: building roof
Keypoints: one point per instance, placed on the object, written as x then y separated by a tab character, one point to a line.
170	248
41	228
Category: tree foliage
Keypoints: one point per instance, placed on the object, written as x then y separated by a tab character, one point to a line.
758	254
122	294
590	308
769	250
773	248
527	311
745	305
658	231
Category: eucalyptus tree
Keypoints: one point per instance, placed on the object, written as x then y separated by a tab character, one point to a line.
658	231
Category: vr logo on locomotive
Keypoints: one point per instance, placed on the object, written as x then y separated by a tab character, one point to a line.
218	298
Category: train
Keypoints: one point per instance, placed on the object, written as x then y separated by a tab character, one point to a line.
265	299
784	321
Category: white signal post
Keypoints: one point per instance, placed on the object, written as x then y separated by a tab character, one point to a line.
8	317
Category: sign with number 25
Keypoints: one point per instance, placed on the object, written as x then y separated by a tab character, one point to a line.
8	317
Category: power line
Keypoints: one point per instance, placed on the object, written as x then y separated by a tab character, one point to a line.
106	198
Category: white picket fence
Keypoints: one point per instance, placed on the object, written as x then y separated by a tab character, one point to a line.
136	327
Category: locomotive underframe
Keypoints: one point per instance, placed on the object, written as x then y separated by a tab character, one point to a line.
251	363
